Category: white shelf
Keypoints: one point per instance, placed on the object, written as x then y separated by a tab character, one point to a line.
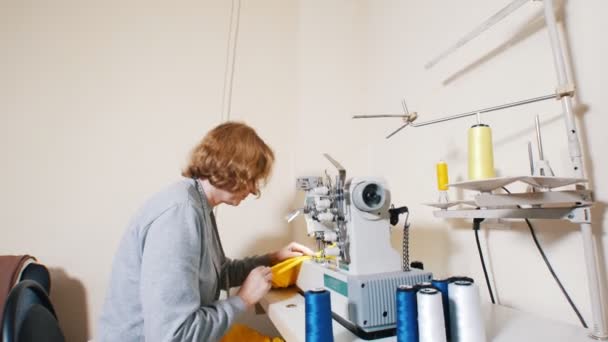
445	205
546	182
540	182
512	213
485	185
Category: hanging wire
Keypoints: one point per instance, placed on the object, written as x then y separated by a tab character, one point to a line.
233	35
559	283
476	227
405	263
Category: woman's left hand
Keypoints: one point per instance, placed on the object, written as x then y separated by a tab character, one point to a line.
294	249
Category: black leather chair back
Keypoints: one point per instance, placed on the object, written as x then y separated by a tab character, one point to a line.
38	273
29	315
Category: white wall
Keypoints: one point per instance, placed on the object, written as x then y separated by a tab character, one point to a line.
100	104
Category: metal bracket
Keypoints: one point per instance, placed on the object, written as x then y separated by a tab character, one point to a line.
307	183
580	215
341	169
574	214
564	90
580	197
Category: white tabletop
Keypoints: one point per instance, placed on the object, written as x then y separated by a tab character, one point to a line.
285	309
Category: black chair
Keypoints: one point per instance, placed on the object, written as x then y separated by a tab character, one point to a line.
29	315
38	273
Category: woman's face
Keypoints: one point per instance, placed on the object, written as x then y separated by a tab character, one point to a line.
232	198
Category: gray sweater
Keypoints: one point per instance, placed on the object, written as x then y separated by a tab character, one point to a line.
168	272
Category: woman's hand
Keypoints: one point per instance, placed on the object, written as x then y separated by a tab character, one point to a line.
294	249
256	285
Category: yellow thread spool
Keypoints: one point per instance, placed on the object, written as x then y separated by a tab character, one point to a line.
442	176
481	156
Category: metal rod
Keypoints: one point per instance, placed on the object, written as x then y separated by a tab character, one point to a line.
375	116
398	129
562	78
404	105
341	169
539	140
410	121
510	8
531	158
599	327
487	110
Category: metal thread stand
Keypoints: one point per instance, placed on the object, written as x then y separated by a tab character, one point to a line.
598	328
579	214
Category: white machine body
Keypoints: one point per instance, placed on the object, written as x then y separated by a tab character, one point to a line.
357	263
368	237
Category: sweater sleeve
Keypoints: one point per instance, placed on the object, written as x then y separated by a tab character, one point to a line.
238	270
170	293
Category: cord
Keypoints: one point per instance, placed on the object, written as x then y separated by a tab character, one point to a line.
406	245
394	219
233	36
559	283
476	226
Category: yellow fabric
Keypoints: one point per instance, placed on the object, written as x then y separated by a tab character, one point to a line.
285	273
243	333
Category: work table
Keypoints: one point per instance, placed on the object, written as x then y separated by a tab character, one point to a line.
285	308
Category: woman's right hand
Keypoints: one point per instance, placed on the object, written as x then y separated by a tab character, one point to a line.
256	285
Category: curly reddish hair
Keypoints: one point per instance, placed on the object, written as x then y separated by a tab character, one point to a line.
233	158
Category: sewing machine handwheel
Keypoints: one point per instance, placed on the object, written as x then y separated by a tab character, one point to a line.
369	196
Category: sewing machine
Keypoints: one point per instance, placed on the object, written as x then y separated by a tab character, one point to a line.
349	220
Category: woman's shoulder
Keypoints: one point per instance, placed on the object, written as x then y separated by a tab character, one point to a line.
181	192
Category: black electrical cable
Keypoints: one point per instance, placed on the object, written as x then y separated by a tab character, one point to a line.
559	283
476	226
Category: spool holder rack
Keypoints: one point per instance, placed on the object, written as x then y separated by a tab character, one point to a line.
579	214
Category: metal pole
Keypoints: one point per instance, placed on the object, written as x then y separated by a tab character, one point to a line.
487	110
503	13
539	140
376	116
409	118
598	329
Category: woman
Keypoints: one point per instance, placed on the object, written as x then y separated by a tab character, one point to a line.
170	266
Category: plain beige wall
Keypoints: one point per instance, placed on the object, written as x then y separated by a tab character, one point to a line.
100	104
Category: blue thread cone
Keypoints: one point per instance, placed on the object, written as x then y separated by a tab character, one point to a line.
407	314
318	316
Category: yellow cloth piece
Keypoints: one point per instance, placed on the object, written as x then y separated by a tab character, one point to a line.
242	333
285	273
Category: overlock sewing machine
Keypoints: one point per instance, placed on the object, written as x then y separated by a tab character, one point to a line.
350	221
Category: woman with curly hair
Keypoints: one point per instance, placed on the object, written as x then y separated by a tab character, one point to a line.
170	266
